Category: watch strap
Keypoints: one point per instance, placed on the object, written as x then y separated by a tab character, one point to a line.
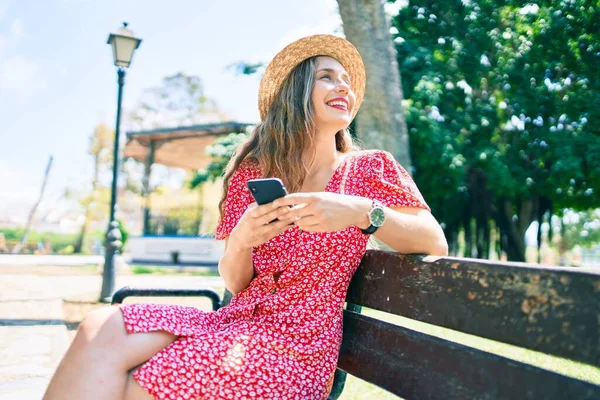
370	230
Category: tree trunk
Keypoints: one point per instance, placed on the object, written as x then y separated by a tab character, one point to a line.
85	226
146	190
82	232
380	122
19	246
514	231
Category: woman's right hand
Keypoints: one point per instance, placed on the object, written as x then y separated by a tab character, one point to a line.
255	227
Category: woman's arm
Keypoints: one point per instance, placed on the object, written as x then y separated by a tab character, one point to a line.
407	230
257	225
235	267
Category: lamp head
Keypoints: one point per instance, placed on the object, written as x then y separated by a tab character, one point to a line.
123	44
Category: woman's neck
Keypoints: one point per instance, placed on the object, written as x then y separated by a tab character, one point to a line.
325	156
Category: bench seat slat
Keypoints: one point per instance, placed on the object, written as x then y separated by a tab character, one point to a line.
414	365
548	309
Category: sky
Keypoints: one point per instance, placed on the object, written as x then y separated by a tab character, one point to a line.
58	81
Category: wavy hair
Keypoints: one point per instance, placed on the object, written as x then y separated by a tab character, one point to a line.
279	142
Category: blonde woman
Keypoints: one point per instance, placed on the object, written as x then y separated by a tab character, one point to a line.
288	263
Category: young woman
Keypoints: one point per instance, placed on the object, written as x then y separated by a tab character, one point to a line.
288	263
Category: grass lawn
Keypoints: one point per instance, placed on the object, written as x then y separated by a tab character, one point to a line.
140	269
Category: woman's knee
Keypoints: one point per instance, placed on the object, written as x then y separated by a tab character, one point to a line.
105	322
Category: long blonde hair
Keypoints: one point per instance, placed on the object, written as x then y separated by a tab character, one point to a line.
280	140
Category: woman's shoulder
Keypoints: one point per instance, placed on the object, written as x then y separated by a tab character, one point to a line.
248	166
244	172
370	155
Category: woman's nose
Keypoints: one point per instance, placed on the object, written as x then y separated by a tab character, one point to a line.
343	87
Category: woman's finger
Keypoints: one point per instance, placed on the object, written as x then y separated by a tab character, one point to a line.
284	226
272	215
299	211
307	222
295	198
260	210
273	229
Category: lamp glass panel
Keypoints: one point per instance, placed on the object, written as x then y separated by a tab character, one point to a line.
124	47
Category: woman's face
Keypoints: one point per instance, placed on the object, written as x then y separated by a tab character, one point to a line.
333	99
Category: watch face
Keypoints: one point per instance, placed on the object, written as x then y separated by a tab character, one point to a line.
377	216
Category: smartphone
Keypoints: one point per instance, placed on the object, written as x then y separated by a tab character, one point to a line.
266	190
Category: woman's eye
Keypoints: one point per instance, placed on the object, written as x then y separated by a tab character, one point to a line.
327	76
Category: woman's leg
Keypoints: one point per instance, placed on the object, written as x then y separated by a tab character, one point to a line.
133	390
96	365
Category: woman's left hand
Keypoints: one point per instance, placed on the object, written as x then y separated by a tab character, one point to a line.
324	211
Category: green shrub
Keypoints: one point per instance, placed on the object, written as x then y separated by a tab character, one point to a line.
67	250
140	269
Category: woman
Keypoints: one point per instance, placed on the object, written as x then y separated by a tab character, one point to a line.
279	338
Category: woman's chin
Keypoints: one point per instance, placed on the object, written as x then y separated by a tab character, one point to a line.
341	121
334	126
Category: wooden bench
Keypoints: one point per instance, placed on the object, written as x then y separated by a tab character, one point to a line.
552	310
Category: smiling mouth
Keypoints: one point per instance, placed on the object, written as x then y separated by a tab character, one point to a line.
338	105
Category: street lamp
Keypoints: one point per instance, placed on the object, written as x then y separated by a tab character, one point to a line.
123	45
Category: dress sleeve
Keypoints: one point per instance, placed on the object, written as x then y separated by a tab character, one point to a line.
238	199
388	182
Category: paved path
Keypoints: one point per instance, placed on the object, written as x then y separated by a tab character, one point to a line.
33	337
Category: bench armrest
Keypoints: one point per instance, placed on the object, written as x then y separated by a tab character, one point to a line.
127	291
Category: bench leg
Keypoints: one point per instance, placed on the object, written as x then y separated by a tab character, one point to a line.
339	381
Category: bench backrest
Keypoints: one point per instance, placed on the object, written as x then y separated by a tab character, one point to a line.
553	310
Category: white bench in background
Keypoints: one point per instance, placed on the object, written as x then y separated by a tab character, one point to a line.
183	250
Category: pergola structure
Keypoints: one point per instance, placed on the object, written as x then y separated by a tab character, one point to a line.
181	147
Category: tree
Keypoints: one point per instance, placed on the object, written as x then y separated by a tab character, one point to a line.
501	99
19	246
100	148
380	122
179	101
577	229
221	152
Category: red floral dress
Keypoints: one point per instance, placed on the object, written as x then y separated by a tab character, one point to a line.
279	338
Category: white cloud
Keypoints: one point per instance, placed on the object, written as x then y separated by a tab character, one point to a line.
3	44
16	29
15	189
18	75
331	24
4	6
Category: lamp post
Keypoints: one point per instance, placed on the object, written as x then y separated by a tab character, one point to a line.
123	45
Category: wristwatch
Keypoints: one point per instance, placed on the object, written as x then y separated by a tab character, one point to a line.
376	217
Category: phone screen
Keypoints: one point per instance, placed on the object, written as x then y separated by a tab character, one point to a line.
266	190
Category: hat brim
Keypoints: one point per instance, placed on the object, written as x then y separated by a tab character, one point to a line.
293	54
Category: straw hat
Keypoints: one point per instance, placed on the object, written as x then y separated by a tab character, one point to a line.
293	54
